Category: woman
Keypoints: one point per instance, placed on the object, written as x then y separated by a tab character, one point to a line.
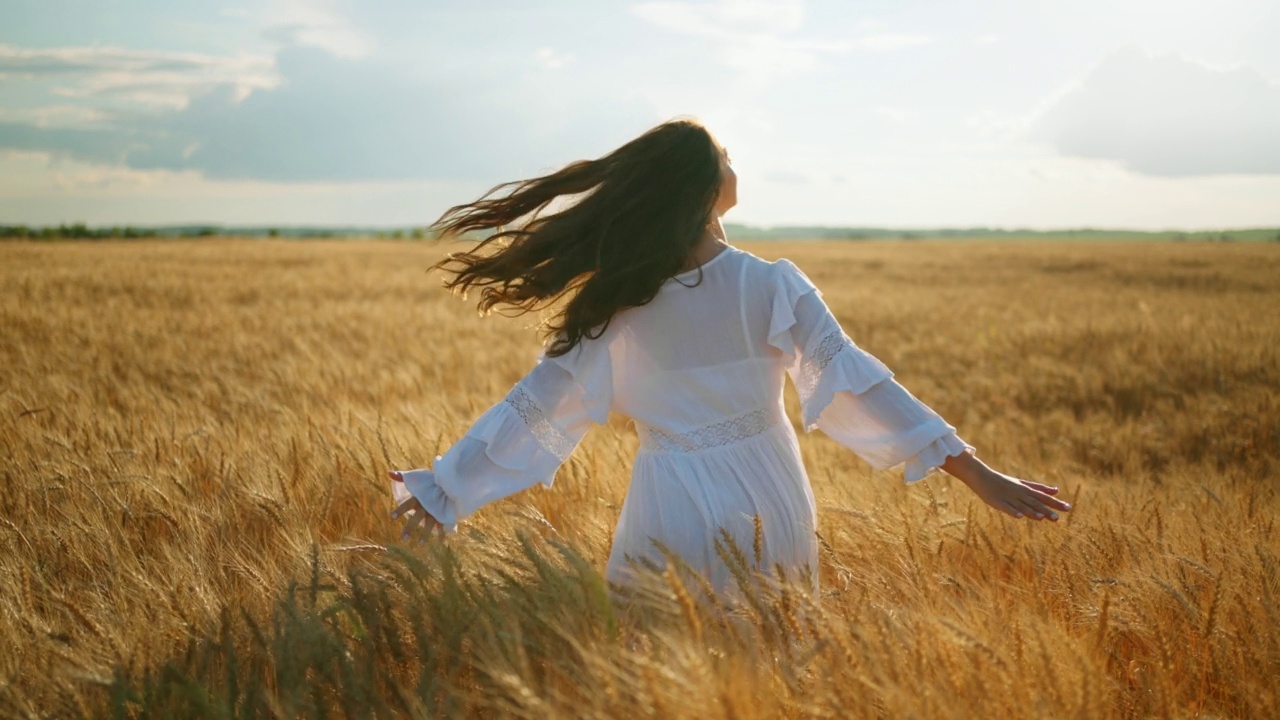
691	338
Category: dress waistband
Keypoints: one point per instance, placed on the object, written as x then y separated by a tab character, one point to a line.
725	432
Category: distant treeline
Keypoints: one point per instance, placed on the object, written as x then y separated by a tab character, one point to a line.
80	231
76	231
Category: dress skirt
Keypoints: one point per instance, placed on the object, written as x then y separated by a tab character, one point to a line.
692	502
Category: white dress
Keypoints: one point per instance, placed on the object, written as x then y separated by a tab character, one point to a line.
700	370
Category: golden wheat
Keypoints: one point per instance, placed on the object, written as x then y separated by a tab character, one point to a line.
194	515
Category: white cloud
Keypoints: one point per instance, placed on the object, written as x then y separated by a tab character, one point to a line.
41	188
988	39
760	39
751	36
333	119
896	114
1002	185
552	59
317	24
30	174
890	41
1167	115
147	77
724	18
56	115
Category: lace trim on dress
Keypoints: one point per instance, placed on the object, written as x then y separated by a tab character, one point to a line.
547	434
724	432
814	363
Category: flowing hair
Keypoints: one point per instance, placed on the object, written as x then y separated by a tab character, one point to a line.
635	217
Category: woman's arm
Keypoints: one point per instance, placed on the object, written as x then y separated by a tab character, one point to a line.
519	442
853	398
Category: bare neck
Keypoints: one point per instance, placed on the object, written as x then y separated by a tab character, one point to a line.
713	242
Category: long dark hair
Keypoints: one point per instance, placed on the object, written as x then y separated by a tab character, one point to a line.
643	208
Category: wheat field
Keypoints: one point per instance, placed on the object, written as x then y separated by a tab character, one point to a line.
194	521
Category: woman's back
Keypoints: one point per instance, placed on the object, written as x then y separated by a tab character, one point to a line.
718	457
698	354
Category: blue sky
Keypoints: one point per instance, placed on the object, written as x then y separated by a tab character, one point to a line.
912	113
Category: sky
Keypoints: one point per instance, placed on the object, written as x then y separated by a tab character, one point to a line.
1143	114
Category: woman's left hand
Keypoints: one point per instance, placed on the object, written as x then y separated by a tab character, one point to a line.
1019	498
419	513
1010	495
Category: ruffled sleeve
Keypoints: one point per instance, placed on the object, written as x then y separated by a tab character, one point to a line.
848	393
522	440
